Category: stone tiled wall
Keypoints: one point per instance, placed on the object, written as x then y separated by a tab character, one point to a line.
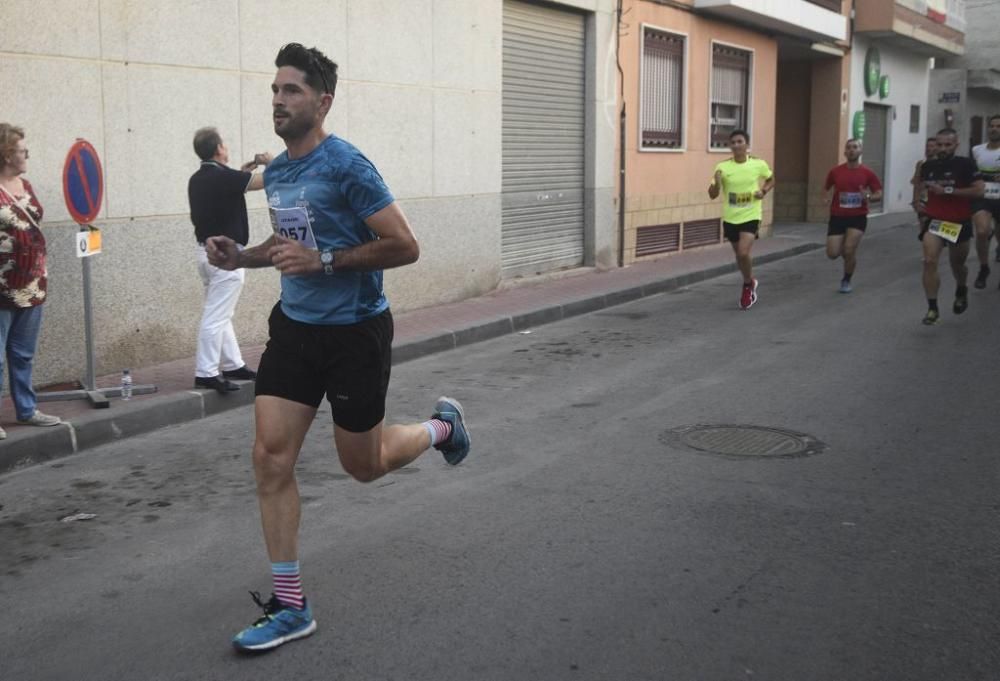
816	209
419	94
790	201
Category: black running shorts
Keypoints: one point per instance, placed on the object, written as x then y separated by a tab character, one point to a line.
349	364
839	224
732	231
991	206
922	220
963	236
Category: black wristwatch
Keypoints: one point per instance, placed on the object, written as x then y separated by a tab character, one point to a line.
326	257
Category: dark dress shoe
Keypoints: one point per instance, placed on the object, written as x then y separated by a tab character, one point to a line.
216	383
244	373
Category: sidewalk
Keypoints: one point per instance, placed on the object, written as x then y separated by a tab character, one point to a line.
418	333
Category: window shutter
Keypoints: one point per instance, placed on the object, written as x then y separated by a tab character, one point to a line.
662	89
730	88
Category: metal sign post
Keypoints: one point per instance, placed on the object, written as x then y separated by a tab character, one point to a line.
83	190
98	399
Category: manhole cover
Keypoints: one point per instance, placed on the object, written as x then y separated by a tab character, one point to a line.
738	440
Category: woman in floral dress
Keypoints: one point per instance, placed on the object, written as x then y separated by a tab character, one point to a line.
23	277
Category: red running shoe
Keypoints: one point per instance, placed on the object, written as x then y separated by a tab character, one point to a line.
749	296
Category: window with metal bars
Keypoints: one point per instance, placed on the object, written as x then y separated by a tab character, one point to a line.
662	113
730	93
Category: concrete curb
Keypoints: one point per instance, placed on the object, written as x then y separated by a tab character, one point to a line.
29	447
451	340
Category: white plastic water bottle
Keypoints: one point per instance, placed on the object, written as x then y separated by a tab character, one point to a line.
126	385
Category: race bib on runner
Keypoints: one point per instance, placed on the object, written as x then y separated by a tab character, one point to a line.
949	231
851	200
992	191
293	223
740	198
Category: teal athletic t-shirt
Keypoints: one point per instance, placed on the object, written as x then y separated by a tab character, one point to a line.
335	188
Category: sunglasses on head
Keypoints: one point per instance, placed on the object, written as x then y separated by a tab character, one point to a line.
318	67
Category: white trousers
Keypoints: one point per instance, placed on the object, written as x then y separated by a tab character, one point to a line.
217	346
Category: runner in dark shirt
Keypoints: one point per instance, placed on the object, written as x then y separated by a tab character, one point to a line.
986	211
951	183
919	202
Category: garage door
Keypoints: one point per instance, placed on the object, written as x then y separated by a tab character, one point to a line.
543	138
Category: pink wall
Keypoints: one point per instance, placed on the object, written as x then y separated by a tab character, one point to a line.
672	172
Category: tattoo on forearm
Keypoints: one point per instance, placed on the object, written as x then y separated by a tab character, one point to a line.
256	256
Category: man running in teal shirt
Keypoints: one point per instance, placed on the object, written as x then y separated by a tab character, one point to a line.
336	228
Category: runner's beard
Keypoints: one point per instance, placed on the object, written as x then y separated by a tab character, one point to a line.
292	127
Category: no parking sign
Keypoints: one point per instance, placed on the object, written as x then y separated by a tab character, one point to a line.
83	182
83	191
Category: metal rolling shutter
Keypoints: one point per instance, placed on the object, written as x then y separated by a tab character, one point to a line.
543	138
874	143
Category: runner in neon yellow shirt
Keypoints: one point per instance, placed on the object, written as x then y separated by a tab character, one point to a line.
739	181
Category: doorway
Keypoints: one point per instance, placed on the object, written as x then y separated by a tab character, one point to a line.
874	141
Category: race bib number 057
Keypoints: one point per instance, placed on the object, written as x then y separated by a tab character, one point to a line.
293	223
949	231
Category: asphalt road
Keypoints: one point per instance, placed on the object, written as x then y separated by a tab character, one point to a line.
582	539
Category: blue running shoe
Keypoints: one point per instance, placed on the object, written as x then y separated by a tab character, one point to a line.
845	286
456	447
280	624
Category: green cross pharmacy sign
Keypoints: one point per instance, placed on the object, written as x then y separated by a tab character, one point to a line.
873	72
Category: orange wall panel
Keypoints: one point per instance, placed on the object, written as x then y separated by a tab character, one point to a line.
662	172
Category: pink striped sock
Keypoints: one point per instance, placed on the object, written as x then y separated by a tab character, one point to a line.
439	430
288	583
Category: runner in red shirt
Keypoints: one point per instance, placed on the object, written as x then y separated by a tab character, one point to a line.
853	185
951	183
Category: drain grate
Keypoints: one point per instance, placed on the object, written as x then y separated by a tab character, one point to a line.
743	441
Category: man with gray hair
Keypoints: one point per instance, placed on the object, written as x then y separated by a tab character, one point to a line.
853	185
218	208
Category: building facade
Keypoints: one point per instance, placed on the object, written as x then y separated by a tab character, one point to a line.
502	126
492	122
894	48
965	90
694	70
